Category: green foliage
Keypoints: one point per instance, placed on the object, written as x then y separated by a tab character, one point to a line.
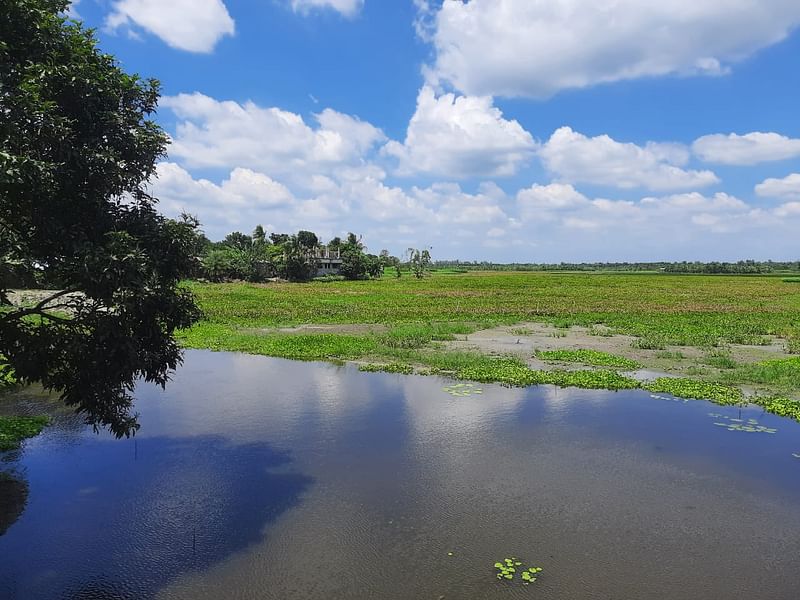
720	359
700	390
419	261
15	429
387	368
417	335
779	373
298	347
78	147
589	357
7	379
508	568
778	405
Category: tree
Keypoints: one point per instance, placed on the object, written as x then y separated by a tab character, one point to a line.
259	236
419	261
238	240
76	150
307	239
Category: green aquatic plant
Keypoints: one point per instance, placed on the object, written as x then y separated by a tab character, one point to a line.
15	429
462	390
778	405
699	390
595	358
401	368
508	568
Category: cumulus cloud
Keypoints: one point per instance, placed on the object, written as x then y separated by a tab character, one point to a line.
601	160
787	188
348	8
460	136
191	25
244	189
536	48
748	149
213	133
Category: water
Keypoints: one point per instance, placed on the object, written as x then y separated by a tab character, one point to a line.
260	478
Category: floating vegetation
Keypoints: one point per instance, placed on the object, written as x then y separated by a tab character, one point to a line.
699	390
508	568
595	358
15	429
388	368
747	426
778	405
462	390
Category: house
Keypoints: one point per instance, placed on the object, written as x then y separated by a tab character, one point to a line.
328	261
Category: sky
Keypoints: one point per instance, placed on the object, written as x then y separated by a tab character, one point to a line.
498	130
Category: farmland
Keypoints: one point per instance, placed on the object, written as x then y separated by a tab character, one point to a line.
740	333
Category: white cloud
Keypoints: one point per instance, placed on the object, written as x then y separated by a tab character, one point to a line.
790	209
536	48
346	7
244	189
748	149
212	133
192	25
787	188
601	160
459	136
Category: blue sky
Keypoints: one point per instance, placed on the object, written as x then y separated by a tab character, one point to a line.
506	130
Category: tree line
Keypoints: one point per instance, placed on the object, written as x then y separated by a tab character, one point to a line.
295	257
742	267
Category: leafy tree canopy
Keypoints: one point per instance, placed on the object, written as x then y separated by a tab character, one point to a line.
76	150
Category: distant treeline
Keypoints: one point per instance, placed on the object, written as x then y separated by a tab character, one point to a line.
742	267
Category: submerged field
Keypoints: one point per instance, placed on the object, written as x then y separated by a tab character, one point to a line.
587	330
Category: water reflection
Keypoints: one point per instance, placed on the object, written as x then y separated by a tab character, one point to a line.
386	486
131	515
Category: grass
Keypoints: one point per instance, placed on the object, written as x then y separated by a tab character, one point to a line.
389	368
594	358
15	429
783	374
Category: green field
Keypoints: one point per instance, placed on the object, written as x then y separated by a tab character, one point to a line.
409	321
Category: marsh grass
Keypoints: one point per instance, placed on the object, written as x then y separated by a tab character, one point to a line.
779	373
719	359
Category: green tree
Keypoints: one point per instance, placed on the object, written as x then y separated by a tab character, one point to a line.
76	150
419	261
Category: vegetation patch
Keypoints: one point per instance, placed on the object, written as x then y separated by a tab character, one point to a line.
298	347
699	390
15	429
778	405
7	378
780	373
594	358
511	569
401	368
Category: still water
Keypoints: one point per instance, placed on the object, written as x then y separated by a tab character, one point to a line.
259	478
